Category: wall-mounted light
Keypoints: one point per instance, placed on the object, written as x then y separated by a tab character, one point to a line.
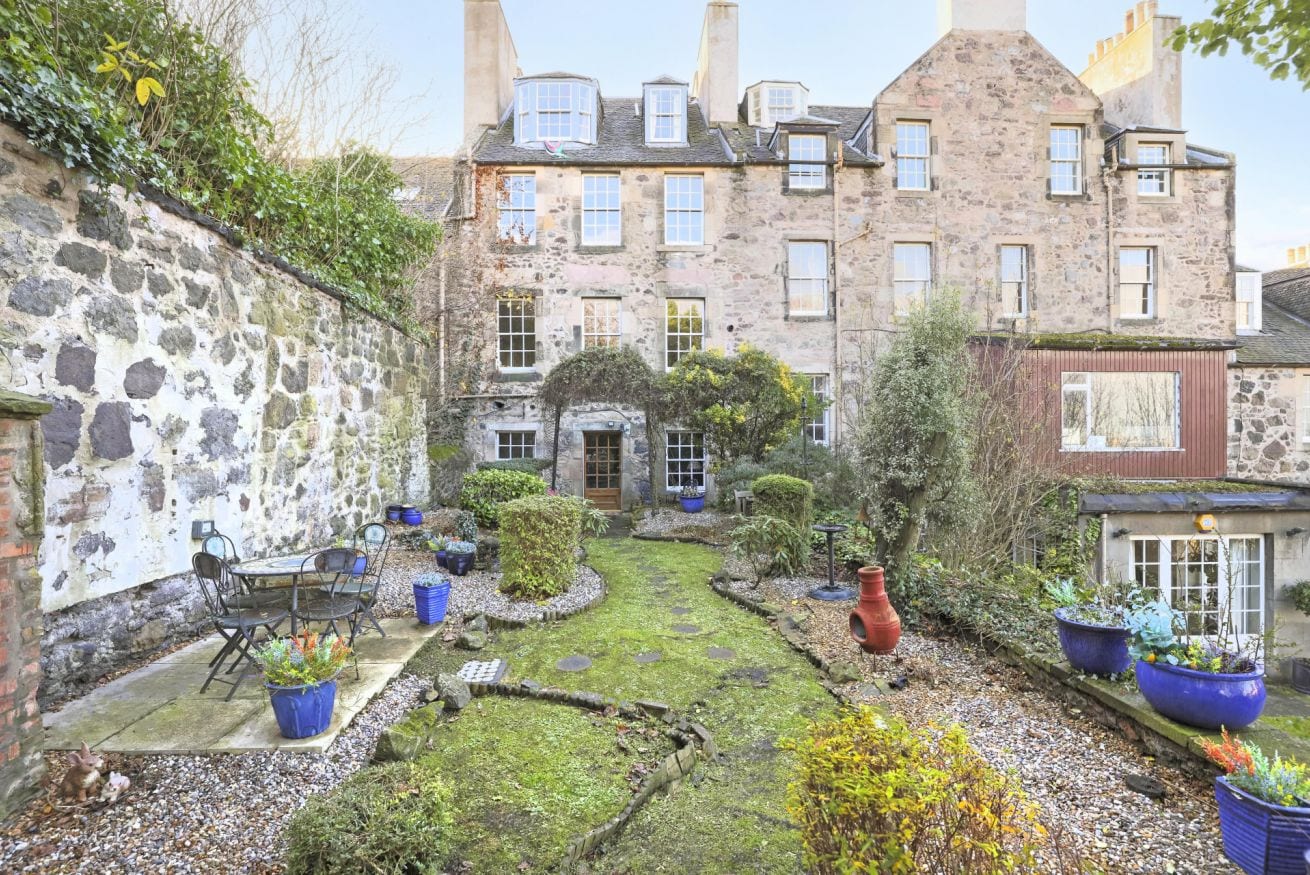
1119	533
1294	531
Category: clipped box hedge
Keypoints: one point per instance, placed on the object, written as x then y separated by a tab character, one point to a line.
485	491
538	536
786	498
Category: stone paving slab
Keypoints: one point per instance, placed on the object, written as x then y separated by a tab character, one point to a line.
159	709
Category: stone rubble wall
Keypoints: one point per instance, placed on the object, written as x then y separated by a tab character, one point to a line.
1263	439
189	381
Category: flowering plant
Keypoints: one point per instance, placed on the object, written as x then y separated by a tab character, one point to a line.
1278	781
307	658
437	543
429	580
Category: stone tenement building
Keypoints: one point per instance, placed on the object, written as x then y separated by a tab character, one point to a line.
1069	210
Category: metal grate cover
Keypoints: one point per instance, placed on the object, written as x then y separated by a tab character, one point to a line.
488	672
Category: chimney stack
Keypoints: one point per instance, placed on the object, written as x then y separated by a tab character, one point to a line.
981	15
1298	256
715	82
490	65
1137	76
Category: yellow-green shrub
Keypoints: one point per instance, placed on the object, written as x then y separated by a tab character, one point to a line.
787	498
872	795
538	537
485	491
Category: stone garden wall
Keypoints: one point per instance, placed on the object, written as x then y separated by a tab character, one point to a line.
189	381
1263	433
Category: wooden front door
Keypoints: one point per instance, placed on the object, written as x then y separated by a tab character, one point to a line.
603	460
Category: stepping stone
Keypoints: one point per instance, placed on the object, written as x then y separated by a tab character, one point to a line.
574	663
686	629
647	658
722	653
680	610
1146	785
483	672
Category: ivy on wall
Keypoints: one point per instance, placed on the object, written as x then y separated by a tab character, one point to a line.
196	138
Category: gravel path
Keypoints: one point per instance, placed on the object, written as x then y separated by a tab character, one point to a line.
197	814
475	592
1072	768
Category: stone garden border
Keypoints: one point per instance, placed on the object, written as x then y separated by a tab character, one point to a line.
674	768
495	621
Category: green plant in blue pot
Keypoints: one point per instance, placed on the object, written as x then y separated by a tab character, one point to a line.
459	556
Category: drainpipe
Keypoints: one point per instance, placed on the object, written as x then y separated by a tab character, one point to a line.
837	381
1105	549
1107	172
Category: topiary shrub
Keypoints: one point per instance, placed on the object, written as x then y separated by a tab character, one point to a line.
872	795
485	491
529	466
538	539
392	819
784	497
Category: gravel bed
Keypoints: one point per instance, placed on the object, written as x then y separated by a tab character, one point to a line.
197	814
1072	768
708	525
475	592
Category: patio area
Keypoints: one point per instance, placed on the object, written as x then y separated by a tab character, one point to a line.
159	708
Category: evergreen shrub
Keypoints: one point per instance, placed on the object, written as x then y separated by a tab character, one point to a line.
485	491
538	539
787	498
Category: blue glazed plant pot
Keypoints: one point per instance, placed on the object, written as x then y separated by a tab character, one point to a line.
692	505
1260	837
411	516
1202	699
442	559
303	711
1101	650
459	563
361	564
430	601
393	512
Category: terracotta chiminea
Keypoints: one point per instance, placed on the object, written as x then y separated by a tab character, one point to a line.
875	625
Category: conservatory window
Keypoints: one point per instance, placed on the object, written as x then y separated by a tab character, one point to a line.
1216	581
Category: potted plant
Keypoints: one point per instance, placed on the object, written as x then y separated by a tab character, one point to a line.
692	497
1264	815
300	675
431	593
437	544
459	556
1299	594
1197	682
1092	633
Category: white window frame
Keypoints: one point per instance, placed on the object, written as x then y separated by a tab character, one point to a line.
602	209
685	450
1248	295
516	206
1065	161
516	444
516	333
1154	182
666	103
602	328
807	277
684	209
1146	308
808	156
1225	584
680	312
780	103
911	272
913	156
1082	384
1014	279
818	429
570	106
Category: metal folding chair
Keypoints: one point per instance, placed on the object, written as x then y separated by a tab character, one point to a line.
374	541
234	618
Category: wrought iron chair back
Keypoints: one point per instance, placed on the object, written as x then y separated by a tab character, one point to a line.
375	542
217	585
220	545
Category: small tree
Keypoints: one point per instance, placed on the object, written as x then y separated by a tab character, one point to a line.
744	404
913	442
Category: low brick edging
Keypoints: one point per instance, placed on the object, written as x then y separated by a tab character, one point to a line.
687	737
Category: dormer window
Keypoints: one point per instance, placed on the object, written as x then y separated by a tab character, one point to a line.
555	110
665	103
768	103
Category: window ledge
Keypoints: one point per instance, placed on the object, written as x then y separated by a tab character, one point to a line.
1157	198
525	375
807	192
1139	320
1122	450
914	192
681	247
598	248
809	317
1081	197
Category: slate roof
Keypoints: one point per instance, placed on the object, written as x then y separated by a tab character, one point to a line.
1284	338
743	137
1194	502
1199	155
1289	288
428	187
621	139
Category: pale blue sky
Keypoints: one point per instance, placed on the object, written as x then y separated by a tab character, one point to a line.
845	51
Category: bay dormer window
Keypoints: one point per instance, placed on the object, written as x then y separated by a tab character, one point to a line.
768	103
555	109
665	110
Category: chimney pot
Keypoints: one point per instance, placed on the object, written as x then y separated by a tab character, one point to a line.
1129	27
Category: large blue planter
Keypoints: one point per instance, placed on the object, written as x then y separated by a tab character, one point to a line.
692	505
459	563
431	602
361	565
1199	698
1091	649
303	711
442	559
393	512
1261	838
411	516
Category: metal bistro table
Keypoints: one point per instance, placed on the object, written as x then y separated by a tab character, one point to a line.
276	566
